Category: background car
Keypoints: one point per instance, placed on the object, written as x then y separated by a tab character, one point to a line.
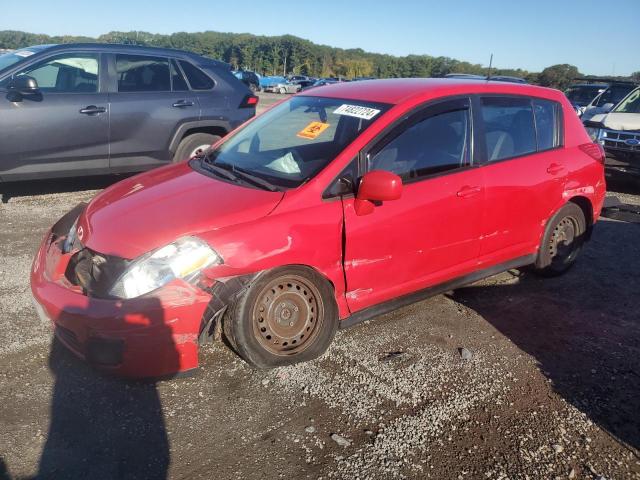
608	99
282	87
582	94
86	109
250	79
321	82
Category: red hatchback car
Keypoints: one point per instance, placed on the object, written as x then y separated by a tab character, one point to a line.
337	205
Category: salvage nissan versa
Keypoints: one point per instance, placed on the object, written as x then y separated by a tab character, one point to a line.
330	208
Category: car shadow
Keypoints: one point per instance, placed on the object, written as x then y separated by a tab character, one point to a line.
104	427
583	328
62	185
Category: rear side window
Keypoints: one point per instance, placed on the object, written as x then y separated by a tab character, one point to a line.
509	127
196	77
547	118
435	144
178	82
140	73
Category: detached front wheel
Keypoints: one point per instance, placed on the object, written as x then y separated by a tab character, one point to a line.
288	315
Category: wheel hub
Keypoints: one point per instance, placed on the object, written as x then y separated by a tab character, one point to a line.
287	315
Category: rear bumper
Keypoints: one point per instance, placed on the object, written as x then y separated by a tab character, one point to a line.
151	336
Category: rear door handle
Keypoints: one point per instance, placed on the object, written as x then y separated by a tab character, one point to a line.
92	110
468	191
183	103
555	169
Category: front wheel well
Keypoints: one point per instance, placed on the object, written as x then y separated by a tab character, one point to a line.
212	130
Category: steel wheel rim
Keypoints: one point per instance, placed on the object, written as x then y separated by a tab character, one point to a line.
563	245
288	315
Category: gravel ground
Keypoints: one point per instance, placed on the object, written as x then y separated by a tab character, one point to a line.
513	377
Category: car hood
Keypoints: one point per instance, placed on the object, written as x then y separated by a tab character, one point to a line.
618	121
155	208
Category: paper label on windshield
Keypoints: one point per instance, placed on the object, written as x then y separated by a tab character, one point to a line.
356	111
313	130
23	53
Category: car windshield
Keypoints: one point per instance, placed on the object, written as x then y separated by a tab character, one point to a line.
292	142
631	104
583	94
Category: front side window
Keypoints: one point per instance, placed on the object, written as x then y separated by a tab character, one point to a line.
631	104
140	73
196	77
292	142
433	145
509	127
68	73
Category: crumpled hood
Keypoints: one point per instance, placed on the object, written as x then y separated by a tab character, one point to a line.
153	209
618	121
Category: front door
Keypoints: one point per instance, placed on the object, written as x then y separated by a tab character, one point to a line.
63	129
429	235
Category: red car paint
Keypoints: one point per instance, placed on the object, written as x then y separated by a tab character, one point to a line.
440	228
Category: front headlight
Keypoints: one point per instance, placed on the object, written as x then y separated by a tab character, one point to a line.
185	258
594	133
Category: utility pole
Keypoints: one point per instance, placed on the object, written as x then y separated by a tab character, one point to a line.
284	67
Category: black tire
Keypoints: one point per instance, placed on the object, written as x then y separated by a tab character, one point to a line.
191	143
563	239
268	342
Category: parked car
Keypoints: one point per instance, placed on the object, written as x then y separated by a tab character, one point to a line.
322	82
582	94
86	109
283	87
304	83
250	79
266	82
328	209
297	78
619	133
608	99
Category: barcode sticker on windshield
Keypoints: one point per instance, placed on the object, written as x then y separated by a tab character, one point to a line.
356	111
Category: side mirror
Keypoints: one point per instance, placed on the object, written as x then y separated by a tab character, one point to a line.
23	86
607	107
375	187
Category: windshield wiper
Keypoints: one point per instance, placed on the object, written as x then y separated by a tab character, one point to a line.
223	172
245	175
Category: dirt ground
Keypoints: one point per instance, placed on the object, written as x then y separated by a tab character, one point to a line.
549	387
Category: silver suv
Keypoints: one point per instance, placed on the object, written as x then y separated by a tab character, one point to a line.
87	109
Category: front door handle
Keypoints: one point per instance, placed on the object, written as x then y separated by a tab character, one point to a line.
555	169
468	191
183	103
92	110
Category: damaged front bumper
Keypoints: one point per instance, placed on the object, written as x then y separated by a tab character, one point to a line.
154	335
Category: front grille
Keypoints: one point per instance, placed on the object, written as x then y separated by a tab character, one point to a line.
621	140
94	272
68	337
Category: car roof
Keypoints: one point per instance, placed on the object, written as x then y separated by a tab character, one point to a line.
127	48
400	90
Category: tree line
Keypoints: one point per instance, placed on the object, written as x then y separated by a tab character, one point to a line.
287	54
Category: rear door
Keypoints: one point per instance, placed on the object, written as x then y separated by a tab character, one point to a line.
63	129
524	173
431	234
149	100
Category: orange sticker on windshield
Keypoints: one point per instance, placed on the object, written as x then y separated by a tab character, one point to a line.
313	130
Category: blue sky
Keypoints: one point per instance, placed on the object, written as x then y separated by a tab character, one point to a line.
596	36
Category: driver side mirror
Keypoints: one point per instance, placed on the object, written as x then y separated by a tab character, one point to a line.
377	186
22	86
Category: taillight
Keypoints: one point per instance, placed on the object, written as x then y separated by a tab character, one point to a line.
595	151
249	101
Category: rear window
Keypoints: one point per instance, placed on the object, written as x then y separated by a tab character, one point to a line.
196	77
520	126
140	73
509	127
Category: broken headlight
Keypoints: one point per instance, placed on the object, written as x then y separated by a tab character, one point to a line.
595	133
185	258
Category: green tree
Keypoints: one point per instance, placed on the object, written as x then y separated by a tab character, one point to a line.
558	76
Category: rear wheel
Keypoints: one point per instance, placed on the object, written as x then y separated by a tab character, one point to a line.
283	90
193	145
288	315
562	241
